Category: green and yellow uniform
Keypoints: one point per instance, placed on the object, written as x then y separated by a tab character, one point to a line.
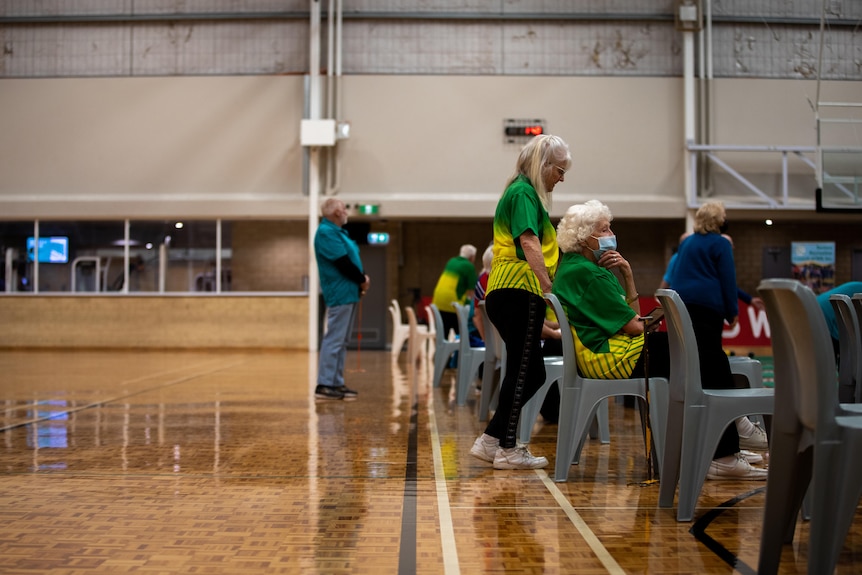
518	211
595	304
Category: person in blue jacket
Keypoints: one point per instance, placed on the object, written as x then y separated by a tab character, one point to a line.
343	282
704	276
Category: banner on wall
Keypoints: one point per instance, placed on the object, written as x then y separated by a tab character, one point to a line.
814	264
752	329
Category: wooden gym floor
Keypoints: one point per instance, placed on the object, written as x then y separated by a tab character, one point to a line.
222	462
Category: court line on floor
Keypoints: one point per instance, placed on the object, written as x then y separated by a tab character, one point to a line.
61	413
451	565
601	552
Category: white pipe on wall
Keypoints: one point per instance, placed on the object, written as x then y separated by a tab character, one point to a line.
689	107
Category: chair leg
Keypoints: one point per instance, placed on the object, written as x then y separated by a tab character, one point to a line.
530	411
789	475
565	432
672	453
697	452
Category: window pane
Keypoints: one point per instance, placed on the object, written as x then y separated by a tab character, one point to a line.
18	272
186	250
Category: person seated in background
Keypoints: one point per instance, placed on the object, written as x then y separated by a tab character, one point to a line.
848	289
479	294
455	284
605	317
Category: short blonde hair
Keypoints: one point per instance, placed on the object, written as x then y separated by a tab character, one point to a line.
579	223
709	217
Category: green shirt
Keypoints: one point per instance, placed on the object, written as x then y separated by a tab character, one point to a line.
518	211
457	278
595	305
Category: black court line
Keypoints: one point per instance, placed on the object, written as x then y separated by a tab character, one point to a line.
703	522
407	552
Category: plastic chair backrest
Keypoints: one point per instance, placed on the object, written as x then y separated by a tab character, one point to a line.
570	362
849	347
805	374
430	315
685	384
396	311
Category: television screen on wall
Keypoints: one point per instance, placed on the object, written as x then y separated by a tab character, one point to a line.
52	250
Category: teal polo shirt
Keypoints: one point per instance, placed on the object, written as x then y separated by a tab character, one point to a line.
332	242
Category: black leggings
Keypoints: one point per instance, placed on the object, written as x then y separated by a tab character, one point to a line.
518	315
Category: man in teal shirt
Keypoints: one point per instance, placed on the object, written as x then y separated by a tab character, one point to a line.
343	282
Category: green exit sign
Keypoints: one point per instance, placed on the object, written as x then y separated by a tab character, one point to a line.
367	209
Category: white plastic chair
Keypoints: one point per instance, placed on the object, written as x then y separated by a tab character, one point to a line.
469	358
581	397
443	348
814	438
419	340
697	417
400	330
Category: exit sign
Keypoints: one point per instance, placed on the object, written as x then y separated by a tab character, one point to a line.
368	209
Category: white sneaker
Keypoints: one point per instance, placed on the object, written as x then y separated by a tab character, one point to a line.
756	441
751	457
739	469
485	448
518	457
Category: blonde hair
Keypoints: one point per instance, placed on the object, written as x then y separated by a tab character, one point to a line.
579	223
709	217
540	154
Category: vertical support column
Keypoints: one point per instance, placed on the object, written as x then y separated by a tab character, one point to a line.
126	248
36	257
314	96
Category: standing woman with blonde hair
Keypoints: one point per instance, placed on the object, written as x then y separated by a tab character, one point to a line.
705	279
525	260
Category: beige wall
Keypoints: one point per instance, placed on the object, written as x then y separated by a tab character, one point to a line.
421	146
260	322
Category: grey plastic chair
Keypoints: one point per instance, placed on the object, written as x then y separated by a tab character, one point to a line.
530	410
443	348
814	439
469	358
850	348
697	417
495	362
581	397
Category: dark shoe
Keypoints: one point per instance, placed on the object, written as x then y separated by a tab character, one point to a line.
347	392
326	392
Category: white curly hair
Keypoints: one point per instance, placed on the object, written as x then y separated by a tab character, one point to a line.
579	223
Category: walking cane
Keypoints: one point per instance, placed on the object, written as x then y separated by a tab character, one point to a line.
645	408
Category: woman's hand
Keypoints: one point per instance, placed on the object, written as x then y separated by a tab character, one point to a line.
612	259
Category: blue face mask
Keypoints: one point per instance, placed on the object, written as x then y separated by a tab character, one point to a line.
605	243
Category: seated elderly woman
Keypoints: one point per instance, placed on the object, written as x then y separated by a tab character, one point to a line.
603	312
604	315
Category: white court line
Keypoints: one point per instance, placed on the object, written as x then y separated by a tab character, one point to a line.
451	566
603	554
